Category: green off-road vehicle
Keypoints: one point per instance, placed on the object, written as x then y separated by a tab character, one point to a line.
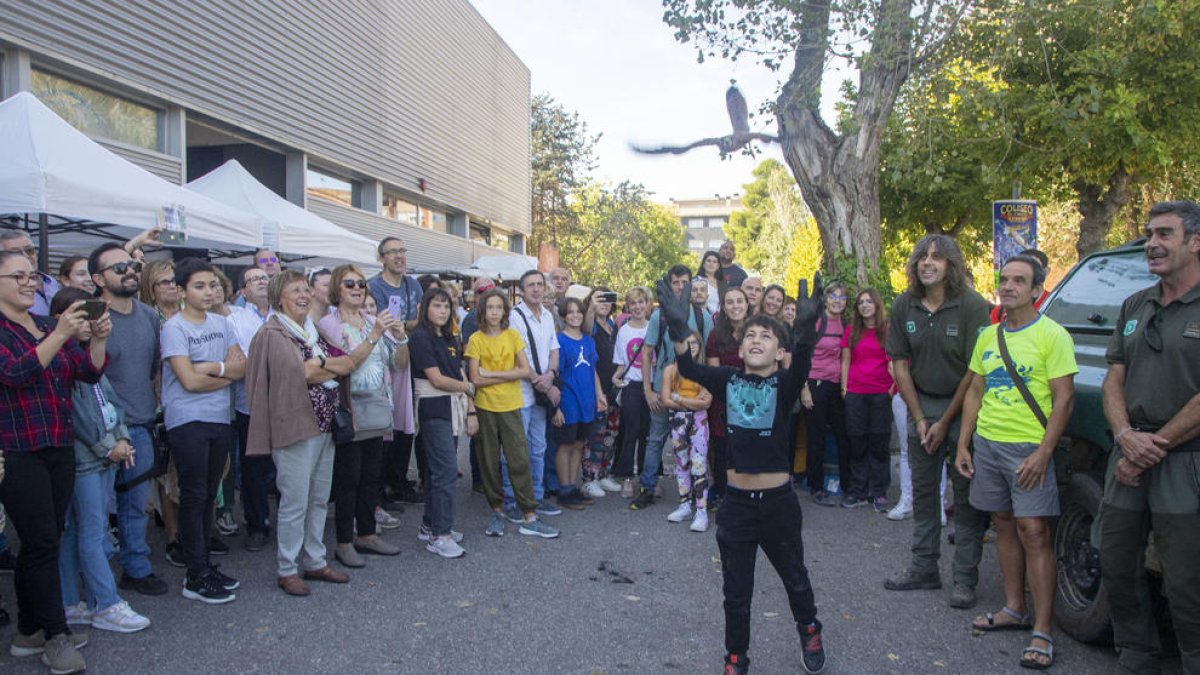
1086	303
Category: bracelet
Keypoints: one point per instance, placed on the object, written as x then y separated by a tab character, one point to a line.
471	414
1121	435
372	342
322	359
221	373
402	342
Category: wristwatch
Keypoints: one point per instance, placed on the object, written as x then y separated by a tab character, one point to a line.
675	396
322	358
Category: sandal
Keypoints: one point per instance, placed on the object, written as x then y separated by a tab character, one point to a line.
1019	622
1030	661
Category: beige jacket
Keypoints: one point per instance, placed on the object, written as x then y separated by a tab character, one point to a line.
281	412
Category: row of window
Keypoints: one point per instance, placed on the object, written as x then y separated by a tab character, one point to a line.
695	223
698	244
103	115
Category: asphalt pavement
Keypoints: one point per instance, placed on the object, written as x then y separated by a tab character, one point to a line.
620	592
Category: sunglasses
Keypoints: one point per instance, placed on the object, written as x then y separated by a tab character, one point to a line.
272	259
352	283
125	266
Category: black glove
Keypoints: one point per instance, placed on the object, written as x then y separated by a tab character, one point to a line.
673	309
808	309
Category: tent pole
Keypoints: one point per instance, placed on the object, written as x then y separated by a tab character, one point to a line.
43	241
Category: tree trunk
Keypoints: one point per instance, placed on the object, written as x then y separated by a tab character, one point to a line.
1098	204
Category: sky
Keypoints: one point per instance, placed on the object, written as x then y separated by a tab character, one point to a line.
618	65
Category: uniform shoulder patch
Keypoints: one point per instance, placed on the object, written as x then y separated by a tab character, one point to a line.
1130	326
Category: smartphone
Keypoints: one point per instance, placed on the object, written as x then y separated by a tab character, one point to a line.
608	297
172	238
396	307
95	308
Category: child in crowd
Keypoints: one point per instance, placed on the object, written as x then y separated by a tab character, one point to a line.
866	383
688	402
582	400
635	412
496	364
760	509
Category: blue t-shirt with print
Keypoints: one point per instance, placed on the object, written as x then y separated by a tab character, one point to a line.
577	362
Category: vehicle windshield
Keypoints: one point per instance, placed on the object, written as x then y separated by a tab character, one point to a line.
1092	296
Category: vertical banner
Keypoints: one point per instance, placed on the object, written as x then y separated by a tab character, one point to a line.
547	257
1014	228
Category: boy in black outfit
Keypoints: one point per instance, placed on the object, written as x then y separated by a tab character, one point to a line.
760	508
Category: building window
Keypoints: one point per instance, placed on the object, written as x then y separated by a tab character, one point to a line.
432	220
100	114
398	209
481	234
695	244
693	223
715	244
334	188
501	240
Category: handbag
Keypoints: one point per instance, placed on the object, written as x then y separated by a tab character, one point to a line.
342	426
1018	382
162	457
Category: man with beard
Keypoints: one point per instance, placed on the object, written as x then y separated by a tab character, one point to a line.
133	363
731	272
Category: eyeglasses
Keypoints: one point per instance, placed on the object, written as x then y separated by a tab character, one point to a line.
1153	333
164	283
29	251
394	251
352	283
22	278
124	266
263	261
257	279
835	297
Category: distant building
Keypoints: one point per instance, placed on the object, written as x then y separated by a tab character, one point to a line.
703	220
387	118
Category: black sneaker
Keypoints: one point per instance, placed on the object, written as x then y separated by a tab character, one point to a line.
391	505
207	589
408	493
813	650
644	499
256	541
217	547
147	585
175	554
227	582
736	664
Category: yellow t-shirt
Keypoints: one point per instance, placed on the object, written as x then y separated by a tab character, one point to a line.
497	353
1041	351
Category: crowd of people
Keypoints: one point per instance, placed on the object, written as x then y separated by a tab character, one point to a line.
134	388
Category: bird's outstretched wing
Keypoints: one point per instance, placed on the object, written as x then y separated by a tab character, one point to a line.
738	112
676	149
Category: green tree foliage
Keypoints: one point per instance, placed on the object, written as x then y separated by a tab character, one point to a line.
561	157
775	234
620	238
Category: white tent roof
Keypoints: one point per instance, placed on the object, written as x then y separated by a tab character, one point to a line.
50	167
500	267
301	232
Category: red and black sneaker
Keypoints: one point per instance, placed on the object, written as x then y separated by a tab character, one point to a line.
810	643
737	664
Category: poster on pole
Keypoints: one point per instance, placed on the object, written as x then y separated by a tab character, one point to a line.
1014	228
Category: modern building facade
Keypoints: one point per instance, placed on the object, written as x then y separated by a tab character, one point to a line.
703	220
388	117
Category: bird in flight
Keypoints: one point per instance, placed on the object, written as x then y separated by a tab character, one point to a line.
740	138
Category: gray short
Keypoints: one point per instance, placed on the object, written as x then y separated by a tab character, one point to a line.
994	487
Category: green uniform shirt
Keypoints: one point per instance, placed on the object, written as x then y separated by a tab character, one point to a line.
939	344
1158	382
1040	352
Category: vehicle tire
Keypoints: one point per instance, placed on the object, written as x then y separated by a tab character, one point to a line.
1081	609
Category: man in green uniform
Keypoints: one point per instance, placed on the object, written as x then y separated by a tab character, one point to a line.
1152	401
930	339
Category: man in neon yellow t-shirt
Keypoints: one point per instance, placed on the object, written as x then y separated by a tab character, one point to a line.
1012	471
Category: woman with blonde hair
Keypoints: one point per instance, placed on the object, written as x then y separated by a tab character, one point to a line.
157	288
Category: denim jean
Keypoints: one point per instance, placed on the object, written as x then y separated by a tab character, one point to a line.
36	492
200	450
83	544
660	428
441	456
131	505
550	479
534	419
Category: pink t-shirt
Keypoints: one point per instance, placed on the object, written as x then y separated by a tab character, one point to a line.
827	353
868	365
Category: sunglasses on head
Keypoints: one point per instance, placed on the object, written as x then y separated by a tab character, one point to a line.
125	266
352	283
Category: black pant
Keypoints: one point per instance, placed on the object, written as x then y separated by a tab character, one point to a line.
476	476
635	424
770	519
258	472
868	421
826	416
396	458
718	463
36	491
356	468
200	450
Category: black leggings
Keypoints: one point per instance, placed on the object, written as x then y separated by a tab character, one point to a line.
770	519
356	469
826	416
869	418
635	424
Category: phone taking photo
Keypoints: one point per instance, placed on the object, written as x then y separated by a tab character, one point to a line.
94	309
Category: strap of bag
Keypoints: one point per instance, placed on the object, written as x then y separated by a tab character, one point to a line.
537	367
1016	378
625	368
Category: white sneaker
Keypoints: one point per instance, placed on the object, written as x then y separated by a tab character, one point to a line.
681	513
901	511
609	484
386	520
79	615
700	522
592	489
627	488
426	534
445	547
119	618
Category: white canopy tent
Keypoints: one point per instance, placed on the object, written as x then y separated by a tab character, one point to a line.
300	232
501	268
58	182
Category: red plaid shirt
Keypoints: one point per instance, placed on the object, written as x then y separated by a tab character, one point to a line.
35	402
